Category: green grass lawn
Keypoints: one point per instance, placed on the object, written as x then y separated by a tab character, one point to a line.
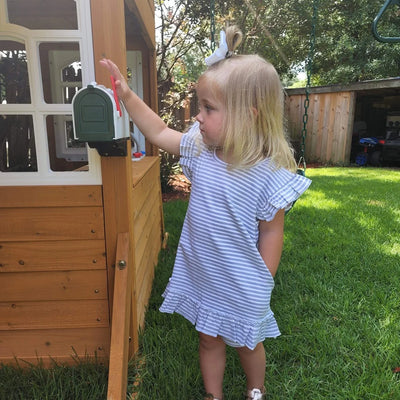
336	300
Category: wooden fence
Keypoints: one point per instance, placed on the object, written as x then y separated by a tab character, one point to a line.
329	127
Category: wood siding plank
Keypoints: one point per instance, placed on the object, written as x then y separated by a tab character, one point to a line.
54	223
52	255
34	344
49	286
54	314
51	196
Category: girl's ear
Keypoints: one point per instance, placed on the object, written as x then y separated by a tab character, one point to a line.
254	111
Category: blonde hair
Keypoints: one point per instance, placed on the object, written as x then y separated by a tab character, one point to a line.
251	91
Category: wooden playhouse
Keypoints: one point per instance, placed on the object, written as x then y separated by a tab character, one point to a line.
80	233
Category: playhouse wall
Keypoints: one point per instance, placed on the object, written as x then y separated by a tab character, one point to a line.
53	278
55	295
329	126
148	229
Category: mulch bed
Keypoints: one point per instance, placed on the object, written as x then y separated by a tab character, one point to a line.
180	189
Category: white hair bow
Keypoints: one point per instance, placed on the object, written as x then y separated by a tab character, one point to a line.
220	53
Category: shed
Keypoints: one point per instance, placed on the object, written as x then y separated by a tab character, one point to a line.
339	114
74	225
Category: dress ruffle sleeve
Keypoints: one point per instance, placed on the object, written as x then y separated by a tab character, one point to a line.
291	187
190	147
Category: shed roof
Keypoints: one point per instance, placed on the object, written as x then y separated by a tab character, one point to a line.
389	86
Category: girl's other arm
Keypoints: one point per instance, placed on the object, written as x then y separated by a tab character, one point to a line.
270	241
148	122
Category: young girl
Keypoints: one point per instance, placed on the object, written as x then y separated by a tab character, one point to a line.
243	178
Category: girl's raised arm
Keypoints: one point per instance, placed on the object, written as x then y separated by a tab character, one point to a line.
148	122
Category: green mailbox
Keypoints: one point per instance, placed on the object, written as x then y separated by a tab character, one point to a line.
97	117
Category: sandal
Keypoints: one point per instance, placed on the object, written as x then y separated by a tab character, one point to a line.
256	394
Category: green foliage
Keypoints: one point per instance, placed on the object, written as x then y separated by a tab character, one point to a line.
297	84
169	165
347	50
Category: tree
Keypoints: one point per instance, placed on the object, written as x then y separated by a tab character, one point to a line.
182	31
345	49
348	52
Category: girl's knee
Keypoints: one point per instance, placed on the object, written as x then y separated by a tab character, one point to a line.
208	342
246	351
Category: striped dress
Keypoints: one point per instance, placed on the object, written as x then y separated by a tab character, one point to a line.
220	283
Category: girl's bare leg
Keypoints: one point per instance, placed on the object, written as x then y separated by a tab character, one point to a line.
254	364
212	363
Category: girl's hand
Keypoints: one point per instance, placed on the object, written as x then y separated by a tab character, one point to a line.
121	85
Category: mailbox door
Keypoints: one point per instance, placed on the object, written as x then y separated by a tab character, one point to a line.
93	116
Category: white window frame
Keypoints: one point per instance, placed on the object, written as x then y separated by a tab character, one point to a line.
134	62
59	59
39	109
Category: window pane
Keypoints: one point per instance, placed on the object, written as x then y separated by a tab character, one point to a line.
14	81
66	154
61	71
71	81
43	14
17	144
